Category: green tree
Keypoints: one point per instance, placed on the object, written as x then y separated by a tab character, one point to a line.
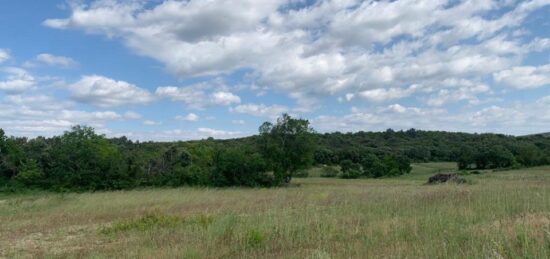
83	160
466	158
391	165
324	156
235	167
350	170
372	166
31	174
11	156
403	164
288	146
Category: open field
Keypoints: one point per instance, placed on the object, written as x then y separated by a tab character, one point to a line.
497	215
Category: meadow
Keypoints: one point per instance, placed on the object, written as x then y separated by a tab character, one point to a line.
503	214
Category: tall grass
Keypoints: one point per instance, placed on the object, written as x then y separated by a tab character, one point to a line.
501	215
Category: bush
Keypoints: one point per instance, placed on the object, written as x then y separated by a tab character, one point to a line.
234	167
350	170
329	171
254	238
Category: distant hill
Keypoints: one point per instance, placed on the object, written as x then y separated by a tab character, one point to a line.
417	145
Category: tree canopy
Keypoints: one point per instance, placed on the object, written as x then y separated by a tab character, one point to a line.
288	145
82	160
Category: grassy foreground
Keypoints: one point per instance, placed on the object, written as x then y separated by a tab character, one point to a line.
498	215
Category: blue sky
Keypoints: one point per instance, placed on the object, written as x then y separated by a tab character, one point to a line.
177	70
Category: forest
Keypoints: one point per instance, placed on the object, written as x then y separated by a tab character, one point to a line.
82	160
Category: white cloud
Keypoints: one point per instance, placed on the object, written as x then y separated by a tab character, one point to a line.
238	122
522	77
330	47
394	116
225	98
4	55
218	133
178	134
44	115
436	52
188	117
260	110
539	44
510	118
107	92
453	90
16	81
201	95
151	123
193	96
386	94
52	60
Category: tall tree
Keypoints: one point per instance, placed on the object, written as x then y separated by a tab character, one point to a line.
83	160
288	145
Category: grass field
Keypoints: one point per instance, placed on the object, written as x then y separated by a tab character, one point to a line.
497	215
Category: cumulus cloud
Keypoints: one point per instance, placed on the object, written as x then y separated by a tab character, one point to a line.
453	90
260	110
434	53
394	116
192	96
373	49
218	133
52	60
225	98
4	55
515	118
386	94
44	115
151	123
179	134
106	92
16	80
523	77
201	95
188	117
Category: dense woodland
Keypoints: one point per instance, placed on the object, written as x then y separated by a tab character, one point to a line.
81	160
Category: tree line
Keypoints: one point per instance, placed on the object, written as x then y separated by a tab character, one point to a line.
81	160
470	151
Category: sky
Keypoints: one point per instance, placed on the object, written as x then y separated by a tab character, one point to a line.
180	70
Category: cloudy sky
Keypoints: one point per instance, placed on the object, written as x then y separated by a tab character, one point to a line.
170	70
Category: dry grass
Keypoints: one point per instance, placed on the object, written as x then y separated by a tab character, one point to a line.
499	215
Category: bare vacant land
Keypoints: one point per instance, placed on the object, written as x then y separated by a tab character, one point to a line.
495	215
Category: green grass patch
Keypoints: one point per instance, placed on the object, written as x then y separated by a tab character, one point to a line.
254	238
144	223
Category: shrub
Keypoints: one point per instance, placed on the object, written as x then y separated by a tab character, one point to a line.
373	166
254	238
235	167
350	170
329	171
